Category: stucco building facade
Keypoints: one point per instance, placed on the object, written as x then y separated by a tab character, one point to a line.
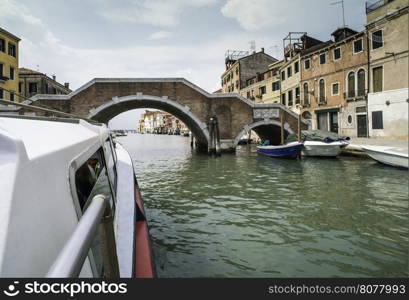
9	60
334	84
387	29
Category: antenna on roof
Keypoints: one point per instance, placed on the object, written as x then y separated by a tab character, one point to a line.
252	46
38	68
343	10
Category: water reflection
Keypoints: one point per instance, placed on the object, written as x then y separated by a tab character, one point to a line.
245	215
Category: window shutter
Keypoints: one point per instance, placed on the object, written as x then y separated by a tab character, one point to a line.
377	79
377	120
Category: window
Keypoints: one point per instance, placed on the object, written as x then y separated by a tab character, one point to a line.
237	84
306	95
1	93
11	73
262	90
296	67
248	94
349	119
358	46
12	50
1	71
237	70
283	99
290	98
322	59
351	85
289	72
32	87
307	64
377	78
283	75
377	120
93	178
322	91
335	89
2	45
20	87
297	95
361	82
377	39
11	96
276	86
337	53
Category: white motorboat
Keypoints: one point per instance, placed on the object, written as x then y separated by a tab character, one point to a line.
388	155
70	203
317	148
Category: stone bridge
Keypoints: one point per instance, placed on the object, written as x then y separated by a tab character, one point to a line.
102	99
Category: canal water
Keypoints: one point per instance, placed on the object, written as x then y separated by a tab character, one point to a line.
243	215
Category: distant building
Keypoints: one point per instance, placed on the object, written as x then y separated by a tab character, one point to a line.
240	66
295	44
264	87
34	82
160	122
387	30
9	58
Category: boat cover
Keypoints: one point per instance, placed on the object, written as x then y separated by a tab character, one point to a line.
318	135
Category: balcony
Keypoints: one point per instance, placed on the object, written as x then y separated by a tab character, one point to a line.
356	95
3	78
322	100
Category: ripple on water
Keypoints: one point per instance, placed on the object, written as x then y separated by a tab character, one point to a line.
248	216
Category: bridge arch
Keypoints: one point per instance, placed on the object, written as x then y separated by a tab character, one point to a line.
117	105
254	126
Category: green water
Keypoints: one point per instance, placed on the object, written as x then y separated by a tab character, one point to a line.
244	215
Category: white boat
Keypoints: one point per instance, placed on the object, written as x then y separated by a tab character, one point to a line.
388	156
317	148
69	203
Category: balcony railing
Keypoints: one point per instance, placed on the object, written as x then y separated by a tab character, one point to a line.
358	94
371	6
322	100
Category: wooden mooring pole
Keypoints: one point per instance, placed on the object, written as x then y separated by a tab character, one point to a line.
282	126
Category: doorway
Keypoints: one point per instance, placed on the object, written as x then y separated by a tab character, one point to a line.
362	126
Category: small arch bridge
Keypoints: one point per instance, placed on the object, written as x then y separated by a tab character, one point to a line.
101	99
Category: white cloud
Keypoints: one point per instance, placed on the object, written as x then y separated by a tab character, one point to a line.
160	35
10	8
252	15
154	12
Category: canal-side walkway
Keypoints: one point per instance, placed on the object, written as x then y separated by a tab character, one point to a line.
355	145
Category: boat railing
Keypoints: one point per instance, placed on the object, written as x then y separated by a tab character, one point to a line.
71	259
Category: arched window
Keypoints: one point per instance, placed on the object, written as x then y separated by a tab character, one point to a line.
306	96
322	91
351	85
361	82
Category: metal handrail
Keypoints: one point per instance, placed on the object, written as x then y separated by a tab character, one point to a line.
72	257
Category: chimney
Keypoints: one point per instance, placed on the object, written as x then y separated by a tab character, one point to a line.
54	77
67	85
262	49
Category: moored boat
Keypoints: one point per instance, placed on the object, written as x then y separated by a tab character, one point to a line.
388	156
321	143
70	202
290	150
317	148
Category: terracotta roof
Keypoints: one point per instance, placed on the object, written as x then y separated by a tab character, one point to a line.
28	71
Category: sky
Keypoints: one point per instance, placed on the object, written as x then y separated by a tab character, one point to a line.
78	40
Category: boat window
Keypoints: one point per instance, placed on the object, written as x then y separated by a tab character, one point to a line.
92	179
